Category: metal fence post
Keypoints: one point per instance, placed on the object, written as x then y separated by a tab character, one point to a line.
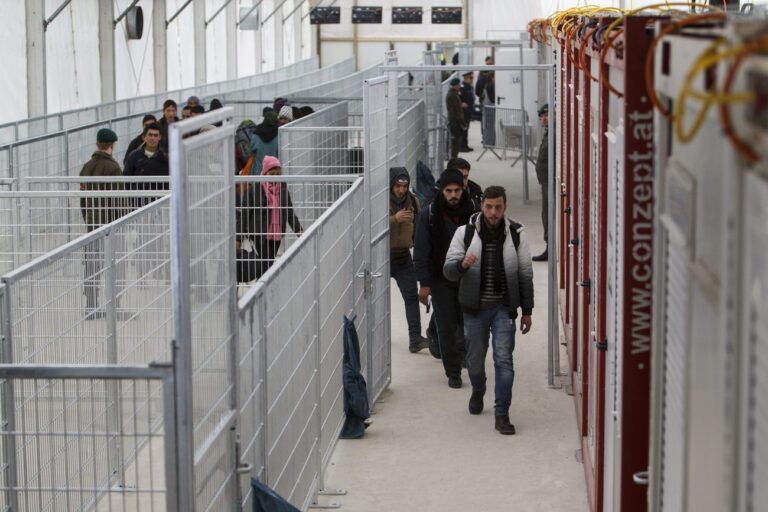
319	359
170	443
526	192
113	412
264	398
367	219
8	404
553	352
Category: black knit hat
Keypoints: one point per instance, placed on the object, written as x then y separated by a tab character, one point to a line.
451	176
106	135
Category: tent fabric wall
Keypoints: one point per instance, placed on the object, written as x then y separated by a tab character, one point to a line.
134	58
216	43
180	39
13	82
72	57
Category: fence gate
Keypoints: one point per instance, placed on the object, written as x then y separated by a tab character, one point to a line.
202	245
378	141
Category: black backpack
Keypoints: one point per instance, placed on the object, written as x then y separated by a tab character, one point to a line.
513	227
243	138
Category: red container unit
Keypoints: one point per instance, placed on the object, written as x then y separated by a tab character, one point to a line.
606	251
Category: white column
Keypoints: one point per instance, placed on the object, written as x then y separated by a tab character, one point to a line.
107	50
231	21
200	44
160	39
36	87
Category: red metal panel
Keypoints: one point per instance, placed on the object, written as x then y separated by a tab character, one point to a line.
637	264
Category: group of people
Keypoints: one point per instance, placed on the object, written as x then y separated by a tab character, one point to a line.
263	212
460	104
473	265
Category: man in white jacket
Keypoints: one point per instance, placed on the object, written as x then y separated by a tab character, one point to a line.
491	260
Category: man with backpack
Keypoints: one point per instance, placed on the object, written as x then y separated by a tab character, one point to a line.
491	261
435	227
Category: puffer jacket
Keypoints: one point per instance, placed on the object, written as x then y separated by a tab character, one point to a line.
518	268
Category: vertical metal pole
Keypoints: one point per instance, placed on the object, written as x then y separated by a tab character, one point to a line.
553	349
264	398
170	443
526	192
367	219
180	256
8	401
114	419
318	360
66	170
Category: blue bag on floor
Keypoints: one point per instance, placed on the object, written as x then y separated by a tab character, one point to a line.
267	500
356	406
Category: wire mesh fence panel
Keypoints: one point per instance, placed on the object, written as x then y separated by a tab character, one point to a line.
412	135
89	438
204	299
508	129
15	131
79	305
378	147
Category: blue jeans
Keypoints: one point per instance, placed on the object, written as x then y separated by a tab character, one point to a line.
477	328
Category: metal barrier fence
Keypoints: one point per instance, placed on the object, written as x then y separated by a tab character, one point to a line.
412	138
508	129
268	405
63	153
36	126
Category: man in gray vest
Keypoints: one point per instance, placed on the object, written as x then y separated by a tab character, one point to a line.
490	259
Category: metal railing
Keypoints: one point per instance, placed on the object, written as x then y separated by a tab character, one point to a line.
64	152
508	129
36	126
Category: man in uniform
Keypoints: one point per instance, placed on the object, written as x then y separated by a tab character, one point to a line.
455	116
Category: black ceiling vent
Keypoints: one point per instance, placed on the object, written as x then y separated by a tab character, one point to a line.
409	15
446	15
134	22
366	14
325	16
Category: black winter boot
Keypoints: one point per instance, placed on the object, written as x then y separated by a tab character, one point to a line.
504	426
476	402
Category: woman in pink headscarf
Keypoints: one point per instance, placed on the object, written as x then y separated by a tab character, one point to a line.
263	215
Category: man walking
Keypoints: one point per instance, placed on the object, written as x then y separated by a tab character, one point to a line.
455	116
97	212
542	174
435	227
403	208
491	260
467	96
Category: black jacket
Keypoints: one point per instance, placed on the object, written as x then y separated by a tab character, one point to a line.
467	96
139	164
542	161
253	213
432	242
135	144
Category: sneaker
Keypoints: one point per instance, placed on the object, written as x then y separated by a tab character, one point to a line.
476	402
504	426
541	257
454	382
417	344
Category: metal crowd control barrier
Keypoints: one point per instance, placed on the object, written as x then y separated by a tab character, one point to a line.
36	126
63	153
508	129
253	390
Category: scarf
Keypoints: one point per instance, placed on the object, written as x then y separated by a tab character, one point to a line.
272	192
441	239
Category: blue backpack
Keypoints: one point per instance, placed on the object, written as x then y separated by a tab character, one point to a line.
425	184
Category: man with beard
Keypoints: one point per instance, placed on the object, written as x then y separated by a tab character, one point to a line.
403	209
451	208
491	260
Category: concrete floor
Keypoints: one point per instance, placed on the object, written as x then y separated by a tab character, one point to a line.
425	452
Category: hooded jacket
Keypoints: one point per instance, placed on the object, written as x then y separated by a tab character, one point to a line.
401	234
264	142
518	268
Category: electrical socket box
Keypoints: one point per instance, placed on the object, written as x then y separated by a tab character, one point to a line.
366	15
446	15
325	16
407	15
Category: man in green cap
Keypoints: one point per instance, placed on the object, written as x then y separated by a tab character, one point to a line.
542	173
98	211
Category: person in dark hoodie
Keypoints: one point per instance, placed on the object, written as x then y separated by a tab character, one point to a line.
169	117
403	209
435	227
139	140
264	142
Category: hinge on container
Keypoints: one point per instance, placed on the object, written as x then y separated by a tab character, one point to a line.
575	242
567	210
601	345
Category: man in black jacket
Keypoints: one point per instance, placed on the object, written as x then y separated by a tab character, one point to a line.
455	109
542	174
138	141
435	227
149	160
467	95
